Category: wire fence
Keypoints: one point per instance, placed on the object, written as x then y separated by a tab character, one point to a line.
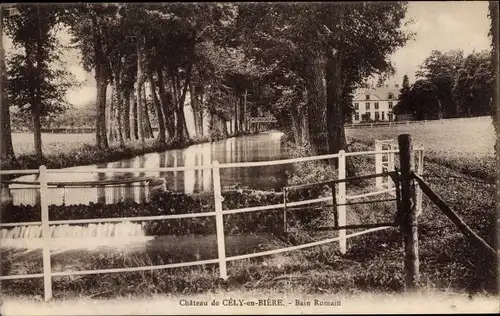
338	199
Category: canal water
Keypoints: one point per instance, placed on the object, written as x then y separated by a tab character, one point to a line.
260	147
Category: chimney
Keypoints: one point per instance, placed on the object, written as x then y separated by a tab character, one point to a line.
396	85
387	86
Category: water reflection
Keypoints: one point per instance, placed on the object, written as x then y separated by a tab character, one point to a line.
261	147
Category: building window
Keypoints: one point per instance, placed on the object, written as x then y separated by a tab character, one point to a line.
356	116
356	106
390	117
377	116
376	105
367	105
383	116
367	97
390	96
390	105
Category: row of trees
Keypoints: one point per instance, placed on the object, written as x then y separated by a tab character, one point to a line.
449	85
300	61
165	52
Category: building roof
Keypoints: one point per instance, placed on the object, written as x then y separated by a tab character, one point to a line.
376	93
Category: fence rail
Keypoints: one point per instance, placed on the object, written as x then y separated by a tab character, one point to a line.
339	198
424	122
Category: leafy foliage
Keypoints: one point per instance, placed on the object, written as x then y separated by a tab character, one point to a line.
450	85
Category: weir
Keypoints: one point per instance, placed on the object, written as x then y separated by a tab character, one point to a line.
102	230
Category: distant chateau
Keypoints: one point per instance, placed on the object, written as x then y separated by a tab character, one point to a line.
375	104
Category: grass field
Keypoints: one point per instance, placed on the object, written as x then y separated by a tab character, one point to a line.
472	136
52	143
466	145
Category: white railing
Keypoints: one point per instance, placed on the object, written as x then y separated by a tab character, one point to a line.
218	212
461	120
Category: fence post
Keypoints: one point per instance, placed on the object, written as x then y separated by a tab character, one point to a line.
342	200
219	220
409	216
44	209
378	164
420	171
390	165
285	226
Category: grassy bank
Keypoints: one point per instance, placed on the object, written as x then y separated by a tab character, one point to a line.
374	262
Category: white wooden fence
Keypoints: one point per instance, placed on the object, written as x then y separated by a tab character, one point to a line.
458	120
218	212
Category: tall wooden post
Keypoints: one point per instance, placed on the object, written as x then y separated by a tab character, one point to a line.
285	226
409	214
378	164
341	209
420	171
44	209
390	165
219	220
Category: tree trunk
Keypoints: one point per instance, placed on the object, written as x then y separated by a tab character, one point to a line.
140	87
296	126
159	113
148	130
166	104
101	137
182	133
316	104
200	112
110	117
101	84
6	149
245	114
126	115
334	107
37	132
223	126
118	115
236	125
133	118
194	107
305	128
242	113
178	123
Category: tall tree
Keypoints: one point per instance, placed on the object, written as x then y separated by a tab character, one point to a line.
441	70
303	38
6	149
424	100
403	106
472	90
36	78
93	27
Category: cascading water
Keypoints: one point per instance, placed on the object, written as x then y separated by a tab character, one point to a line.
105	230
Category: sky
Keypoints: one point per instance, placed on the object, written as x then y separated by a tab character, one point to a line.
441	26
438	25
